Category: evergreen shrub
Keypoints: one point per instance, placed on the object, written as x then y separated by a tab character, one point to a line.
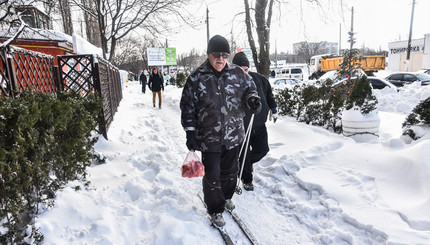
46	141
420	116
316	105
181	79
361	95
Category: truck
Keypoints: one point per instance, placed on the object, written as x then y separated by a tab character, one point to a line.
320	64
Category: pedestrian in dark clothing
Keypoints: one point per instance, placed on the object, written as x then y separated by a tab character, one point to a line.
142	80
156	84
258	143
213	104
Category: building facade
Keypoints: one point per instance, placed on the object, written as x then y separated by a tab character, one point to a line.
419	55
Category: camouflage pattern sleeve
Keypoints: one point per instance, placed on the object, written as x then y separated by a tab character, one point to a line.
187	106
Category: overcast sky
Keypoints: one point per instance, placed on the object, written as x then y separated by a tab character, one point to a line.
376	22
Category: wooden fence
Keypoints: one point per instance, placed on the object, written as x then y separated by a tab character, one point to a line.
21	69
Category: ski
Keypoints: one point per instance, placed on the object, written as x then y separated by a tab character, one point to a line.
243	227
224	234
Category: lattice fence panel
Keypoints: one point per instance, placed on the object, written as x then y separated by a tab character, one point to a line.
77	73
34	71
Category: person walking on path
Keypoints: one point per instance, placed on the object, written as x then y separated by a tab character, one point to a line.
142	80
156	85
258	144
213	104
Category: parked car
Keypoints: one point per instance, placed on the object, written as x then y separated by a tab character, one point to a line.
427	71
380	83
375	82
401	78
336	76
286	83
290	72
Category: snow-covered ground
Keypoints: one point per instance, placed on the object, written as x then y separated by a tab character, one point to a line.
314	186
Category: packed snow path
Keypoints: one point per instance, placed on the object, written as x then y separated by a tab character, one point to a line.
139	197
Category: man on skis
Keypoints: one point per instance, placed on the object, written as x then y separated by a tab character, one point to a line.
213	104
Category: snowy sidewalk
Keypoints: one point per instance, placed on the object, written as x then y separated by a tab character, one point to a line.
314	187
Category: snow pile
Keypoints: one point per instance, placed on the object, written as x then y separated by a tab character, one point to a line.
82	46
401	102
314	186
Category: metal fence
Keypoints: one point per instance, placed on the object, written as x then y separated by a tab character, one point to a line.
21	69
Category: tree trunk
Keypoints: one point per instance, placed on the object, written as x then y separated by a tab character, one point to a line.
67	17
261	59
101	21
92	27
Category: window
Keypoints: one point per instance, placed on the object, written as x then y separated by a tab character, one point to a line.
409	78
296	71
396	77
377	84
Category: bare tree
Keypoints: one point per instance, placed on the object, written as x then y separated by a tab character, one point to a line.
191	60
261	59
11	21
263	10
67	16
92	27
306	50
117	19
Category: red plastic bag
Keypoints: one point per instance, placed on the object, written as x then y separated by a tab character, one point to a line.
192	166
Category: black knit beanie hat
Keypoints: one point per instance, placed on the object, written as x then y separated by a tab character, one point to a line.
240	59
218	44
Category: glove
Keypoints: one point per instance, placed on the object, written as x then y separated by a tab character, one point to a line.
274	114
254	104
191	140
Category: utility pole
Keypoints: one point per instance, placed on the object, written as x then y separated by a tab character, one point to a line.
276	54
351	41
408	54
340	39
207	23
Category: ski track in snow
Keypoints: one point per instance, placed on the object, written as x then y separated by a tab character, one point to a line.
140	189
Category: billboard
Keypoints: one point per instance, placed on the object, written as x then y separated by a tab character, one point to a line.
161	56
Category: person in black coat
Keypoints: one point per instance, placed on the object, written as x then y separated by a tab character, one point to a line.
156	84
142	80
258	143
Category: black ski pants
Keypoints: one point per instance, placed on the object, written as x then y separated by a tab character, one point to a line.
220	178
257	149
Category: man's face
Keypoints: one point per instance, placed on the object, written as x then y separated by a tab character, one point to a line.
155	71
218	60
245	68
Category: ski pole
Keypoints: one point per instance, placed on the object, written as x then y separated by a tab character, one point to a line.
238	190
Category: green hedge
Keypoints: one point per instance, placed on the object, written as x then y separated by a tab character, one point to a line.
420	115
181	79
46	141
316	105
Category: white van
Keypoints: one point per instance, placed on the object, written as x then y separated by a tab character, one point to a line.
290	72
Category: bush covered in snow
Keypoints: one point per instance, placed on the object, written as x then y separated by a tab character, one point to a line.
420	116
181	79
316	105
45	142
323	105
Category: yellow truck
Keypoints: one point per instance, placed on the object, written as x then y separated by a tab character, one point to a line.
320	64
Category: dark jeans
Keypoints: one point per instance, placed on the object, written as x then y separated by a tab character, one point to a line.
257	149
143	87
220	178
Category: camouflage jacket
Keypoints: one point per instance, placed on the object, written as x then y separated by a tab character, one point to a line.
214	106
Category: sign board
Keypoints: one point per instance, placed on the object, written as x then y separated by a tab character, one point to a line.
161	56
170	56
